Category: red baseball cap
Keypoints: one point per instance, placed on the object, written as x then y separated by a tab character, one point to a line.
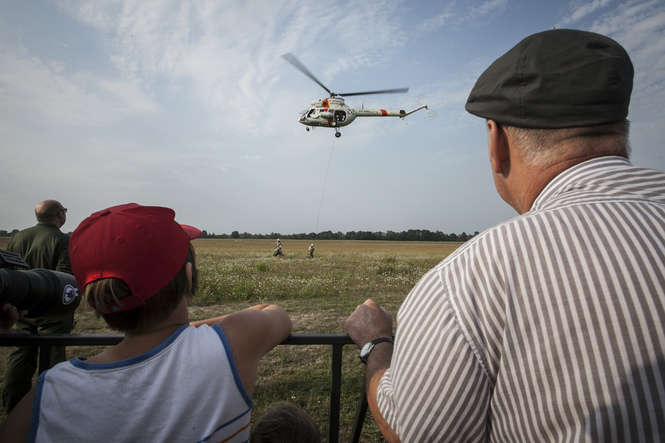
141	245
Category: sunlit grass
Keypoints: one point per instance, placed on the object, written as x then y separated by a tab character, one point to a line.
244	270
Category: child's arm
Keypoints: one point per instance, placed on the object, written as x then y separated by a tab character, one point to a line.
218	319
252	333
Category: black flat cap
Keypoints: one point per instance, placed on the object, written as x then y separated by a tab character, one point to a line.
561	78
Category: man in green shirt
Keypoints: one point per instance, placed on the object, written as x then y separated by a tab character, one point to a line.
42	246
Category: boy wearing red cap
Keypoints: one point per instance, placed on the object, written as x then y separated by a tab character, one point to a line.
166	380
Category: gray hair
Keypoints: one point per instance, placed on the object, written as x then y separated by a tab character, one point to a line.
542	147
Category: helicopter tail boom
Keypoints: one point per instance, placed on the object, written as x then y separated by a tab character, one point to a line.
383	113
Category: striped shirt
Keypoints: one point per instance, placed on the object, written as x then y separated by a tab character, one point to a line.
548	327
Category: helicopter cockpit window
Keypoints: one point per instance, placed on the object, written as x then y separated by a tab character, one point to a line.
311	112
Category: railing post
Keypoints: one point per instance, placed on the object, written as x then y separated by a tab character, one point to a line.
360	415
335	394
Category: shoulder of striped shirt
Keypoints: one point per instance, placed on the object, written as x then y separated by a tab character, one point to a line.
479	238
448	261
466	248
600	164
551	207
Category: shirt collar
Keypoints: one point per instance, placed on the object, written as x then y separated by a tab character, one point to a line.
562	182
47	224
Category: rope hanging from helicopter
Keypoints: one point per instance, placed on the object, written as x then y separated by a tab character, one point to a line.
323	186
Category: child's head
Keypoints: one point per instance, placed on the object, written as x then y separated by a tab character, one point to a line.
284	422
134	263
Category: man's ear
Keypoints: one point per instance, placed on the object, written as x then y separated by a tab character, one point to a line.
499	151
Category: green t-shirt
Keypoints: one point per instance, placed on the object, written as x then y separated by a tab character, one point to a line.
42	246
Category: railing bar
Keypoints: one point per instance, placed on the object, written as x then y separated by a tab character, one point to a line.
109	339
335	394
318	339
59	340
44	357
360	414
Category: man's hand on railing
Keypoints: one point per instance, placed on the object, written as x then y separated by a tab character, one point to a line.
9	315
369	322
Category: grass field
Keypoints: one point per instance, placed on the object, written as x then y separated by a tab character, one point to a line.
318	293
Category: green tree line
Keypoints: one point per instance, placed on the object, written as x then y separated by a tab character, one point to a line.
410	235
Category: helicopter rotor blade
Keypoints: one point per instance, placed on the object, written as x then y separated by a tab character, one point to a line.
382	91
302	68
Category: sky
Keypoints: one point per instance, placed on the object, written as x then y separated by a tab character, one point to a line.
189	104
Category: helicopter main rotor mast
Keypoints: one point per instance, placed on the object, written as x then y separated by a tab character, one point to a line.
302	68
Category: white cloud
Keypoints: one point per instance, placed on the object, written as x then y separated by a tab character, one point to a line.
454	14
179	103
42	90
436	22
229	56
98	14
578	12
487	7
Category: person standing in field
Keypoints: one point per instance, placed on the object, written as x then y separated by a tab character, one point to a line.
278	249
550	326
310	250
42	246
166	380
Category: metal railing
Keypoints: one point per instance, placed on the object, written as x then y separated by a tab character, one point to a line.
337	341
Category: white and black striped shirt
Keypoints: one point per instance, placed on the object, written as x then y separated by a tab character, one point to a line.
548	327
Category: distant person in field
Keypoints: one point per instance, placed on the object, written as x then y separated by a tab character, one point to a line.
284	422
550	326
42	246
310	250
166	380
278	249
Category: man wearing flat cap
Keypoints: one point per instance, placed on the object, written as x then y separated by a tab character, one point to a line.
550	326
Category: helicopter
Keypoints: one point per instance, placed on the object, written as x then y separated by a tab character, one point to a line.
332	112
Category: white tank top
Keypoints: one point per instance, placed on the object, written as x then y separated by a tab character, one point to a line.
187	389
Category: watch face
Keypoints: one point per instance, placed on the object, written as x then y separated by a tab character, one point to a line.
366	349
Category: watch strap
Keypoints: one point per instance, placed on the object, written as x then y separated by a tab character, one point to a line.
376	341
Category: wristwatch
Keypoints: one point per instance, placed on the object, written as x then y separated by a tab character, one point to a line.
369	347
